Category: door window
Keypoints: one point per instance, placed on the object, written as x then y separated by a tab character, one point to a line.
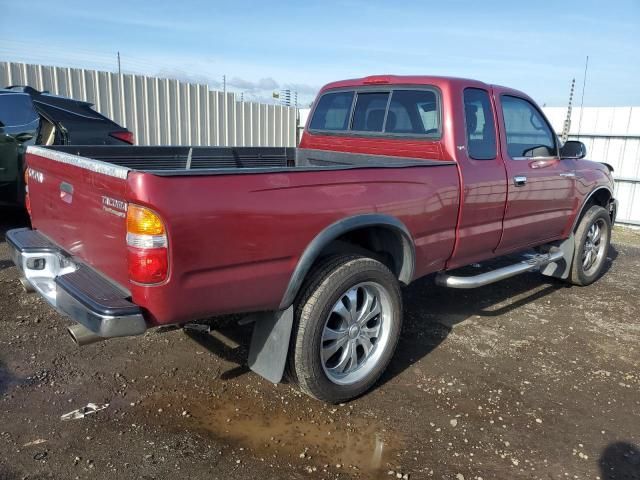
528	134
480	127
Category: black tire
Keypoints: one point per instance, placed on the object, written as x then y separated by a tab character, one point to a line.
580	275
327	285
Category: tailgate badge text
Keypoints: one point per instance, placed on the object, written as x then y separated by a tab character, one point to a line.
35	175
113	206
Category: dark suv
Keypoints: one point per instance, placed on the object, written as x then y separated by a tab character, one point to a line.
30	117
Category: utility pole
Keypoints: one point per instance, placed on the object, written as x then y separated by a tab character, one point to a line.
285	97
567	121
584	84
224	111
123	116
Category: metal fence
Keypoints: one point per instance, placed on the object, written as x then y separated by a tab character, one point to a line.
612	135
162	111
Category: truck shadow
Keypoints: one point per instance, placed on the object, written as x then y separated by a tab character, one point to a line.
7	474
7	379
620	461
234	349
431	312
5	264
12	218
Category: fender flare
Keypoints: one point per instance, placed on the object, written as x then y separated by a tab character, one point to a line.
339	228
584	204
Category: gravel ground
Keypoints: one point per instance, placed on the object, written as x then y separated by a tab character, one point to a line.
523	379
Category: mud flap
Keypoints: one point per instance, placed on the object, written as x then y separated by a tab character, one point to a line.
561	268
270	343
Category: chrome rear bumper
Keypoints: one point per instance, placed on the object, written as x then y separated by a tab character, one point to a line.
73	288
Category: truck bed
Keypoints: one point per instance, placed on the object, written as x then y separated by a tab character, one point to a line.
171	160
234	216
176	159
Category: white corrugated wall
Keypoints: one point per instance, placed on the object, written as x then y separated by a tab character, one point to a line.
162	111
612	135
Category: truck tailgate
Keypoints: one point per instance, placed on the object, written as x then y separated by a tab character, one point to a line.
80	205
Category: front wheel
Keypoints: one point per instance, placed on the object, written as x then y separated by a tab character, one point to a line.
348	322
592	239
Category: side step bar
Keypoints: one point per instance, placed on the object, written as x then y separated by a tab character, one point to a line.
536	262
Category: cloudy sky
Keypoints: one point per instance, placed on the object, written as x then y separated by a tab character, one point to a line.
264	46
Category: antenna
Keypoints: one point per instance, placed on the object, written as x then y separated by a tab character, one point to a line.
584	83
119	69
567	121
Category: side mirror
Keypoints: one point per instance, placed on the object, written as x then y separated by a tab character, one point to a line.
573	149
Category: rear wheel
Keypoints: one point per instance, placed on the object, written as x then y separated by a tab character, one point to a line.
348	321
592	239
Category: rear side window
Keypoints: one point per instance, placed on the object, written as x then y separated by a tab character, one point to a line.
333	111
413	112
369	113
480	127
16	110
528	134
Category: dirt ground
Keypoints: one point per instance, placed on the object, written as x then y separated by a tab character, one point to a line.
527	378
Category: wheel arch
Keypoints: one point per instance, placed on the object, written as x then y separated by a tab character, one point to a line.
387	231
599	196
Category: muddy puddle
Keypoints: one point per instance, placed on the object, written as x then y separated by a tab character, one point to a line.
327	438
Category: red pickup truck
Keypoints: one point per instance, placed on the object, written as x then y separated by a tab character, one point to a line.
395	178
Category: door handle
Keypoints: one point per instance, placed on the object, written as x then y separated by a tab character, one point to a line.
519	180
568	174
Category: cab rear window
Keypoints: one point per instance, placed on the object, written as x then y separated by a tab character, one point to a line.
413	112
369	112
333	111
388	112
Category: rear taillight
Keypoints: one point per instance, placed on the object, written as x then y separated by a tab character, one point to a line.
148	255
125	136
27	202
148	265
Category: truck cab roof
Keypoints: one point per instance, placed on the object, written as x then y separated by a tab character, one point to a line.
433	80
